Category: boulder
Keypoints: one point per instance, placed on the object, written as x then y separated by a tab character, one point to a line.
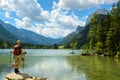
21	76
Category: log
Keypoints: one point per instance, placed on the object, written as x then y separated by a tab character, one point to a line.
21	76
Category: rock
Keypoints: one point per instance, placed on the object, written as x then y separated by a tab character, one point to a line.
72	53
85	53
21	76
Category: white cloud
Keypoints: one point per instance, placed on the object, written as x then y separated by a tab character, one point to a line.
82	4
54	24
7	22
65	21
7	14
25	22
70	21
38	28
3	4
55	32
51	24
25	8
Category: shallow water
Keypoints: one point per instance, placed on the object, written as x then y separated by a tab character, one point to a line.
60	65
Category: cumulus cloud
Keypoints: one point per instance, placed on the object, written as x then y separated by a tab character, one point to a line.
3	4
25	8
82	4
7	14
57	32
70	21
54	23
65	21
25	22
38	28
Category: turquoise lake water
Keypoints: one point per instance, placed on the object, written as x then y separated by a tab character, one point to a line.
60	65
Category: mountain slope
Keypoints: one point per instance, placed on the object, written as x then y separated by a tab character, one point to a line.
81	35
98	12
31	37
83	38
70	36
54	41
28	36
6	35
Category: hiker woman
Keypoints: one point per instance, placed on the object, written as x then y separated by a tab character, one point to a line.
17	56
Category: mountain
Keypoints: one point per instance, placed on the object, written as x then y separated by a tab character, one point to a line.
6	35
83	38
81	33
28	36
98	12
70	36
101	11
54	41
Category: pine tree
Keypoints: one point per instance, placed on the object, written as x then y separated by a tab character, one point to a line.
112	36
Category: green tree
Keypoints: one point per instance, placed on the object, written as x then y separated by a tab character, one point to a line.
92	31
99	46
73	45
5	44
55	46
112	36
97	32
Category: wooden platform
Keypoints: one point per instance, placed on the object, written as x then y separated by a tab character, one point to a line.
21	76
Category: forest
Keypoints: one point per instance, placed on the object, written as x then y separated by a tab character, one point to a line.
104	33
8	45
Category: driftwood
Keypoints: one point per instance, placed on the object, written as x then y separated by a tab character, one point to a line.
21	76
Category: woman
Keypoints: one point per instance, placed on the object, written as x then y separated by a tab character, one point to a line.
17	56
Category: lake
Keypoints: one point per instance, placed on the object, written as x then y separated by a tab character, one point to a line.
60	65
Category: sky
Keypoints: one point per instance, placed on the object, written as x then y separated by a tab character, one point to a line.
50	18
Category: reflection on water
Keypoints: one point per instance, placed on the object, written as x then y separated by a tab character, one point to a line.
60	65
54	68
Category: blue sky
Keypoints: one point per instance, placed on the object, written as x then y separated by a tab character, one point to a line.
50	18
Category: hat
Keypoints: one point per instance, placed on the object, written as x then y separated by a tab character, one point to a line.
18	41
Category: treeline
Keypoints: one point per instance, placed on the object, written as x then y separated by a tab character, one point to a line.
104	33
39	46
5	44
8	45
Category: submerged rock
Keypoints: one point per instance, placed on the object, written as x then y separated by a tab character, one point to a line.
21	76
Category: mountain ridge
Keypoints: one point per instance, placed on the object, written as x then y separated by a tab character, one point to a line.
70	36
81	35
28	36
5	35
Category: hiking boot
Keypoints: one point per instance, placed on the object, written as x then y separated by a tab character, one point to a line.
17	71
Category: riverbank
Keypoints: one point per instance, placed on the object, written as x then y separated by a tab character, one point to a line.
110	54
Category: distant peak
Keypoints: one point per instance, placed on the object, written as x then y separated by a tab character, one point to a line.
79	29
101	11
